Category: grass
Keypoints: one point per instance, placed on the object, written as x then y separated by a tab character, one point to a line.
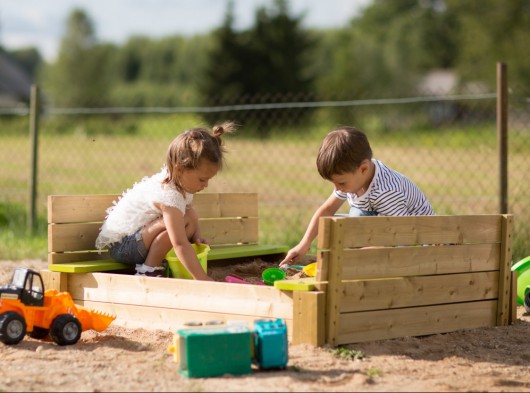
16	242
347	354
456	167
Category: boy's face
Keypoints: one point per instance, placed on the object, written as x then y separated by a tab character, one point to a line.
347	182
352	182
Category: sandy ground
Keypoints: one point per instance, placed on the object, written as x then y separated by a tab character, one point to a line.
492	359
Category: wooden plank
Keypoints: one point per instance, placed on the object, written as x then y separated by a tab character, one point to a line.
323	257
78	208
216	253
361	263
334	289
67	257
503	313
90	266
240	251
415	230
309	318
416	321
152	317
251	300
400	292
323	240
219	205
87	208
513	298
230	230
72	237
82	236
54	280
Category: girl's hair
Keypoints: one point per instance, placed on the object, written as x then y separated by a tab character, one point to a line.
342	150
194	144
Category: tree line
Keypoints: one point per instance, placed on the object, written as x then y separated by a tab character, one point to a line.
386	49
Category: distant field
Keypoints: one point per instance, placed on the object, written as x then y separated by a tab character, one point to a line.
457	169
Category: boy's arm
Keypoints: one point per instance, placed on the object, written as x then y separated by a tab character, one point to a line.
328	208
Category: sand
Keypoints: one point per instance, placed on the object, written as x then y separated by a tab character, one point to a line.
493	359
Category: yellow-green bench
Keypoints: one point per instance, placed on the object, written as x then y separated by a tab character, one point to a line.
228	220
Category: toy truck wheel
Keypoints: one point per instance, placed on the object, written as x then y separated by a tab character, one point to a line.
39	333
12	328
527	301
65	329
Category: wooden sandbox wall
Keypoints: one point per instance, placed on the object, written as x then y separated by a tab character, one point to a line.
388	277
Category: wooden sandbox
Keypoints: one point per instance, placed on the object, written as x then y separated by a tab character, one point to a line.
377	277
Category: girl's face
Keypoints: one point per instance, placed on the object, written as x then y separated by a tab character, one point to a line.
196	180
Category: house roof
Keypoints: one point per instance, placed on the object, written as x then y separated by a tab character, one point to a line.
15	84
439	82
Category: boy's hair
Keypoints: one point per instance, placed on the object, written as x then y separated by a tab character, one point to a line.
194	144
342	150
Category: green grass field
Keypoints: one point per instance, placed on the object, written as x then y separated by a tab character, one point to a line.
457	168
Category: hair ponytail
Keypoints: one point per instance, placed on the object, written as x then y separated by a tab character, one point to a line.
219	129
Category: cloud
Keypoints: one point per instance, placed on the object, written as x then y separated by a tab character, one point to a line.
41	23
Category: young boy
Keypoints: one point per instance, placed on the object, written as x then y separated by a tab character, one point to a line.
371	188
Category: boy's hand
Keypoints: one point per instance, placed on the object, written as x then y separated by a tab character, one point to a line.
294	255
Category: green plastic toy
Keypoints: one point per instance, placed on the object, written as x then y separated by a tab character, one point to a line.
272	274
523	282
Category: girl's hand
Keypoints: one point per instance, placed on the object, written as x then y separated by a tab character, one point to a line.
198	239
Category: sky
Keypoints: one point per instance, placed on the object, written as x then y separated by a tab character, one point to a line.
41	23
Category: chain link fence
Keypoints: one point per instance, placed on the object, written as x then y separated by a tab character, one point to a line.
445	144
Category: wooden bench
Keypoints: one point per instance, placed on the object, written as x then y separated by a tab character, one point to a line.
377	278
228	220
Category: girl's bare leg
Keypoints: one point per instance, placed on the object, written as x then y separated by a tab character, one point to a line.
156	238
156	241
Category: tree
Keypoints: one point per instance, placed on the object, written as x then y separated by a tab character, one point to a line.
159	72
265	64
80	76
388	47
223	72
492	31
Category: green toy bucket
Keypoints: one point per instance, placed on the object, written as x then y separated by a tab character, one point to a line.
523	282
176	267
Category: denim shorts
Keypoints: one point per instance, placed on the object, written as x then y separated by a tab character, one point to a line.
131	250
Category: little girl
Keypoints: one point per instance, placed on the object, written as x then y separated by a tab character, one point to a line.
157	213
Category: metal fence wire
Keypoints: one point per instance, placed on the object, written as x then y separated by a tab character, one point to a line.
446	144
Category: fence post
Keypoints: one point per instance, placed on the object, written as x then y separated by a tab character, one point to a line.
34	141
502	135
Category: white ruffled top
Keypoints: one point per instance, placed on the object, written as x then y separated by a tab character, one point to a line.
136	207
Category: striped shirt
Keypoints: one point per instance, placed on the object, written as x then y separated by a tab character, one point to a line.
390	194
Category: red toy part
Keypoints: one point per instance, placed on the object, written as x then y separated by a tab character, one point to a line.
235	279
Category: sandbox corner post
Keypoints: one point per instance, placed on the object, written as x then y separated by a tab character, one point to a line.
513	299
334	233
54	280
505	274
309	318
